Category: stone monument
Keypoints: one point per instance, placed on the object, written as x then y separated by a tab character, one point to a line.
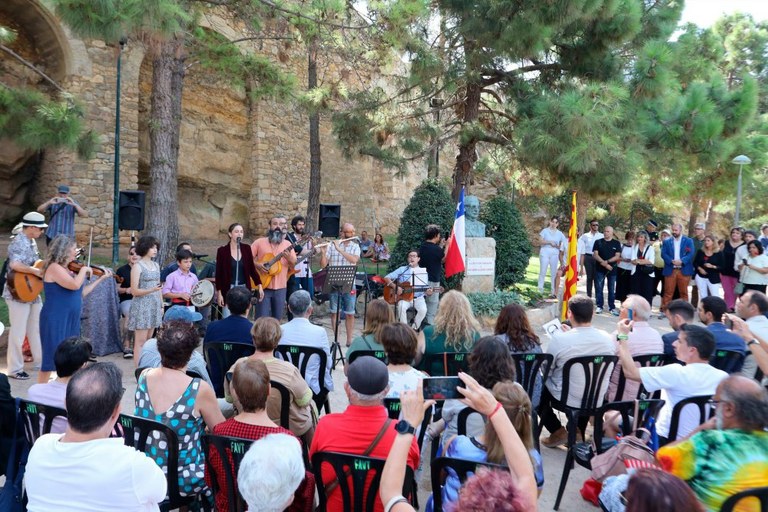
480	251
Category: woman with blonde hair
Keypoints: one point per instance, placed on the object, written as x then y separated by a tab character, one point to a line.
378	315
455	330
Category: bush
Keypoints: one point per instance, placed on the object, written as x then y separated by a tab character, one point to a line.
504	223
431	204
490	304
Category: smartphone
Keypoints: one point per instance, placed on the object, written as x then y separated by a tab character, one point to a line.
728	322
442	388
630	315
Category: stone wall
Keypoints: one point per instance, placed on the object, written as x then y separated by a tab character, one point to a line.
239	161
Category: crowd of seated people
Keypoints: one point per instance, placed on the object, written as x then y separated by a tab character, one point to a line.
698	470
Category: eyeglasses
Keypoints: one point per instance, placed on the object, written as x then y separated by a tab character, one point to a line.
594	225
714	403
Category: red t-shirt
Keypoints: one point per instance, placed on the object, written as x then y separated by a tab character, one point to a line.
352	431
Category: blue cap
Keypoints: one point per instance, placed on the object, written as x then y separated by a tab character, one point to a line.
63	189
182	313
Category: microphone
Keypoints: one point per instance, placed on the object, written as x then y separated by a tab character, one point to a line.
199	256
239	239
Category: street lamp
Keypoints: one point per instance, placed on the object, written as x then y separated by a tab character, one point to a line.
741	160
116	170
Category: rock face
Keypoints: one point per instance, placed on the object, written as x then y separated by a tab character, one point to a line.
240	160
18	168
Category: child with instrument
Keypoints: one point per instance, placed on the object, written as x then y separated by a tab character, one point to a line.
409	284
179	283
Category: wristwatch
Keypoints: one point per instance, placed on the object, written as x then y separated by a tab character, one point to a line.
403	427
753	341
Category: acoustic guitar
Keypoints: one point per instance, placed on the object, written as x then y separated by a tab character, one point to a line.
25	287
391	296
272	263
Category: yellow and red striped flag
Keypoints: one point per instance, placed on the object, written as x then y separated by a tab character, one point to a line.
572	270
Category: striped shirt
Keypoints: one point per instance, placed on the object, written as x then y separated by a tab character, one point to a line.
61	220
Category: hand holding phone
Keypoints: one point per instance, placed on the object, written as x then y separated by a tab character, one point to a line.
442	388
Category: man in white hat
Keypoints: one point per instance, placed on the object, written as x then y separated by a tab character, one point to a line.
24	316
61	210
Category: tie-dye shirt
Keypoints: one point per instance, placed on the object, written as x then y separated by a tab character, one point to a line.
719	463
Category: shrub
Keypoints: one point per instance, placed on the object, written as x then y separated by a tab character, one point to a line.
490	304
504	223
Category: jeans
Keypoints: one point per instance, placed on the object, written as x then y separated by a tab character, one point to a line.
273	304
600	275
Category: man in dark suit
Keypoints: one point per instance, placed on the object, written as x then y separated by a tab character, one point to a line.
677	253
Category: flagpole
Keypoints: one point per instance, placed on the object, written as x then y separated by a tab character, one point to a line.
571	275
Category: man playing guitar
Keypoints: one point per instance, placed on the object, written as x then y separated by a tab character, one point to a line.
301	278
416	277
273	256
24	315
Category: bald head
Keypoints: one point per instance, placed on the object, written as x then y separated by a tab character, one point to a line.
348	230
744	403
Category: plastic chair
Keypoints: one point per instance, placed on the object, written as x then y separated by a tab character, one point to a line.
137	373
230	449
702	402
463	418
38	418
760	493
645	361
285	403
299	357
219	357
359	470
136	431
532	368
451	363
463	468
378	354
729	361
596	371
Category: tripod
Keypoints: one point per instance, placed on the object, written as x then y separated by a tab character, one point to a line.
339	280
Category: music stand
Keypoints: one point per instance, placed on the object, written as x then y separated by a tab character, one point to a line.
341	279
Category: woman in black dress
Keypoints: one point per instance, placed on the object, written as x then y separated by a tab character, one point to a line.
643	256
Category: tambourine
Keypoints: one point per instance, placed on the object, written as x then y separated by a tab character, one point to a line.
202	294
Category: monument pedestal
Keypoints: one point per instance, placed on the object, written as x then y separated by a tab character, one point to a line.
481	265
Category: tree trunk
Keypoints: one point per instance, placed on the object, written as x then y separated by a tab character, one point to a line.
693	214
315	162
165	126
467	157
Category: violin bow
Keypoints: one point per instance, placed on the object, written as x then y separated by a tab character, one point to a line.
90	248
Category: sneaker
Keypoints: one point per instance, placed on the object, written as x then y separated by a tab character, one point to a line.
557	438
662	316
598	310
127	353
615	312
22	375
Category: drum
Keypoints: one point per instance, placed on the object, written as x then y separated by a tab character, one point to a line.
202	293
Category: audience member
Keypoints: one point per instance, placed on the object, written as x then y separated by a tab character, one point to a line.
757	345
728	453
678	313
729	273
678	254
359	428
302	416
752	306
399	342
455	330
250	389
711	310
708	263
514	491
754	273
514	330
301	332
236	328
185	404
693	347
71	355
607	253
125	298
7	421
270	474
378	315
580	340
83	469
648	490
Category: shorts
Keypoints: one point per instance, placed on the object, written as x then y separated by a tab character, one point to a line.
348	301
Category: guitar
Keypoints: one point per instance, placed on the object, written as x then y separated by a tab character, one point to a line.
391	296
25	287
271	262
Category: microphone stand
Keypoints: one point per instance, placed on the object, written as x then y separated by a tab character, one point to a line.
237	266
367	287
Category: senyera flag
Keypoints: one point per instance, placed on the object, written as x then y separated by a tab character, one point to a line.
571	273
455	259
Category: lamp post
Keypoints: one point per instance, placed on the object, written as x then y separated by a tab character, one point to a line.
116	198
741	160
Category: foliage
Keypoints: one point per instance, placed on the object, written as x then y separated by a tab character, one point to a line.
504	224
490	304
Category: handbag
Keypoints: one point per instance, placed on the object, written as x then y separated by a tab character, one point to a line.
646	269
739	288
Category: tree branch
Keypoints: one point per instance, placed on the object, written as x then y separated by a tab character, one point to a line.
276	7
32	67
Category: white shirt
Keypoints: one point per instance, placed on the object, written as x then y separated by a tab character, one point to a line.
97	475
650	255
676	383
676	242
300	331
552	236
628	254
742	252
752	276
335	258
758	325
586	242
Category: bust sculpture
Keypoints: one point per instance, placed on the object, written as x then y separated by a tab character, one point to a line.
473	227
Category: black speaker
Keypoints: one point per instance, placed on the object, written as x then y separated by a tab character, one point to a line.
330	216
131	210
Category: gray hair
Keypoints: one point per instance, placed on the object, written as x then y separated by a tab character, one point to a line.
299	302
270	473
749	400
641	310
376	399
58	250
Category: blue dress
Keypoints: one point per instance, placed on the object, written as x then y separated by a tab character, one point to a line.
59	320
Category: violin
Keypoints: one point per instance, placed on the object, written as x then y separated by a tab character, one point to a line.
75	266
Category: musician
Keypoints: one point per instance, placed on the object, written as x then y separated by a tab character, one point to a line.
179	283
24	316
432	256
125	298
266	248
171	267
64	293
343	254
61	210
234	267
416	277
302	279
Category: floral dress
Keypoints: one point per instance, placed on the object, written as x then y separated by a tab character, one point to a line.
188	428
